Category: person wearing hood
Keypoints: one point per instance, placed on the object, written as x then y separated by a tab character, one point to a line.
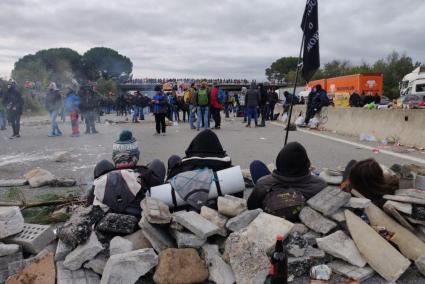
205	150
290	184
252	100
53	104
263	102
14	106
72	105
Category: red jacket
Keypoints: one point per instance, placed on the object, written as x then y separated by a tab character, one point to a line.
215	103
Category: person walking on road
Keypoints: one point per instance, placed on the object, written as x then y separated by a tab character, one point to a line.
160	109
203	103
53	104
14	106
252	99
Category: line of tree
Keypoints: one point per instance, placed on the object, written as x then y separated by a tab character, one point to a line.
393	67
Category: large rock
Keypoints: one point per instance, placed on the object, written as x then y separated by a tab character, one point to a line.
231	206
219	270
62	156
358	203
242	220
85	252
39	177
196	224
8	249
97	264
341	246
129	267
249	261
180	266
350	271
155	211
216	218
329	200
79	227
187	239
120	245
264	229
11	221
409	244
117	224
377	252
138	240
158	237
315	221
41	271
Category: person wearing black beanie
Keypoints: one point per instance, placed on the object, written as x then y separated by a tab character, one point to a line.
292	175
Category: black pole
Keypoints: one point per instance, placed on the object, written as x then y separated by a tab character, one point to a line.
293	94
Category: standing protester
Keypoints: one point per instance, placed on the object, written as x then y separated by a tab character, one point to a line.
252	99
72	105
355	100
183	103
136	102
2	111
320	99
88	108
192	105
203	102
273	99
160	109
264	98
14	106
216	107
53	104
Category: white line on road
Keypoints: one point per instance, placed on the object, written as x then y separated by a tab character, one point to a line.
386	152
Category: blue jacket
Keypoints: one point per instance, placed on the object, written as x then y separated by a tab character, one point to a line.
72	102
160	102
320	100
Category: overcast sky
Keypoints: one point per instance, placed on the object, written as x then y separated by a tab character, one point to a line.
206	38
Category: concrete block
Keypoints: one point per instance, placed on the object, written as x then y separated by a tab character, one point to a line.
159	238
33	238
187	240
11	221
155	211
219	270
350	271
231	206
242	220
357	202
62	250
120	245
329	200
98	263
83	253
80	276
315	221
5	260
216	218
8	249
197	224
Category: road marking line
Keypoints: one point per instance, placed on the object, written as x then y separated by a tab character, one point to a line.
387	152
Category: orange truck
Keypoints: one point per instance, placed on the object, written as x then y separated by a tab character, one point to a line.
339	89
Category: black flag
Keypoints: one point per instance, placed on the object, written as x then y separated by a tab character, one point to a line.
310	27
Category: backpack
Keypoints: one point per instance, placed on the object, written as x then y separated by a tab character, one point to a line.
221	96
186	97
203	97
284	203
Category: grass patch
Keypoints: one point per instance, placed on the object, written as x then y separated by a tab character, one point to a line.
43	215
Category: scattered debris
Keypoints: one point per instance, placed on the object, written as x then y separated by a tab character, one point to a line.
321	272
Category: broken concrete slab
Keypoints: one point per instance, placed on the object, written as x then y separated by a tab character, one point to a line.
155	211
82	253
231	206
329	200
40	177
351	271
120	245
341	246
299	228
11	221
8	249
158	237
420	264
264	229
62	250
180	266
98	263
196	224
80	276
219	270
311	237
138	240
33	238
249	261
129	267
41	271
405	199
242	220
393	212
316	221
13	182
338	216
411	192
405	208
377	252
6	260
216	218
358	203
117	224
407	242
187	240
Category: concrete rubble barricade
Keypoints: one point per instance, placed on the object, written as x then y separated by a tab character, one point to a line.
357	203
341	246
242	220
196	224
329	200
248	261
378	253
231	206
84	252
187	240
120	245
12	182
39	177
351	271
180	266
407	242
405	208
216	218
321	272
117	223
155	211
11	221
158	237
219	270
41	271
316	221
8	249
80	276
264	229
33	238
98	263
62	250
138	240
129	267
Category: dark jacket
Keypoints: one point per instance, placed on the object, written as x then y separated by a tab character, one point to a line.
252	97
53	100
273	98
320	100
13	100
355	100
264	96
88	102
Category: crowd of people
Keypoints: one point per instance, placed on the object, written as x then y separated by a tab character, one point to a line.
186	81
357	100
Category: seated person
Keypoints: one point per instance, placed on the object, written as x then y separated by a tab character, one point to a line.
205	150
120	187
369	179
284	192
